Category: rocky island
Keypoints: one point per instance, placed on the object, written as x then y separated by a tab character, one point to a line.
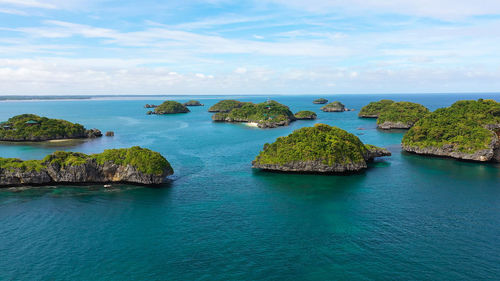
318	149
305	115
468	130
400	115
373	109
226	106
320	101
133	165
31	127
335	106
169	107
150	105
269	114
193	103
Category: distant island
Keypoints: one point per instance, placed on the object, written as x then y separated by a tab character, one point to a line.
225	106
133	165
193	103
169	107
320	101
373	109
305	115
467	130
269	114
401	115
318	149
31	127
335	106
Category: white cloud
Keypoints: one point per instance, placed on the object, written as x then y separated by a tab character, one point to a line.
240	70
29	4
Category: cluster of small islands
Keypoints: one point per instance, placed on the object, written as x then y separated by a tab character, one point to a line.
467	130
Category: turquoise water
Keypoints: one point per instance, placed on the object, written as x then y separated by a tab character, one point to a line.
407	217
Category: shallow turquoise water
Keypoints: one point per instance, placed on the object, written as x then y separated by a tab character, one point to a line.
407	217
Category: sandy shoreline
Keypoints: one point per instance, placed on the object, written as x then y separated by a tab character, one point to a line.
252	124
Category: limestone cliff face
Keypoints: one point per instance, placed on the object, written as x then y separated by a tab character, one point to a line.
88	172
261	124
492	153
387	125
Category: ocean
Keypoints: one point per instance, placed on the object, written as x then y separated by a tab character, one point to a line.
407	217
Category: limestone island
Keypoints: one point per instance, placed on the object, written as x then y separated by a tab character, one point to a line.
320	101
318	149
373	109
150	105
226	106
269	114
468	130
193	103
305	115
335	106
169	107
400	115
133	165
30	127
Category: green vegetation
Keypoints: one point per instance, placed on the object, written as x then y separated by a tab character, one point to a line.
193	103
335	106
30	127
460	126
171	107
373	109
402	112
305	114
226	106
269	111
320	101
331	145
144	160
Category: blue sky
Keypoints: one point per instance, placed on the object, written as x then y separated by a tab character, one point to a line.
249	47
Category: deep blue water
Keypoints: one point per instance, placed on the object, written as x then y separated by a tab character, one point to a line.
408	217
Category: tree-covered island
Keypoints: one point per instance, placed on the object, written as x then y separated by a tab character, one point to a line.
401	115
318	149
305	115
170	107
320	101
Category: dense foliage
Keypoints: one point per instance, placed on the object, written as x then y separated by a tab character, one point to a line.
226	106
193	103
144	160
331	145
171	107
375	108
402	112
320	101
334	105
269	111
33	127
461	126
305	114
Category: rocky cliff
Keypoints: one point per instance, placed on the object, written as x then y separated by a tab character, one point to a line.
78	168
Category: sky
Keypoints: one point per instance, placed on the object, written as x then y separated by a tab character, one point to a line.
289	47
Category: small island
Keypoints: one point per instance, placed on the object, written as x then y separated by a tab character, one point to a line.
169	107
269	114
31	127
335	106
150	105
133	165
193	103
467	130
305	115
225	106
320	101
400	115
318	149
373	109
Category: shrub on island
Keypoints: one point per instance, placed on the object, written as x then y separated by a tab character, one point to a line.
373	109
466	130
335	106
269	114
170	107
31	127
305	115
128	165
321	149
401	115
193	103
